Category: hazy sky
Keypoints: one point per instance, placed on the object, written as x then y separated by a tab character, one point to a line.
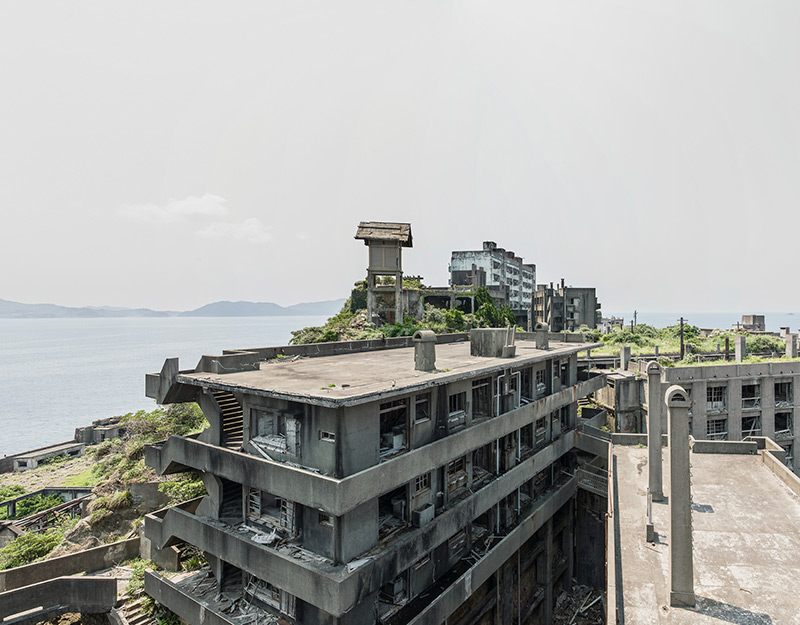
169	154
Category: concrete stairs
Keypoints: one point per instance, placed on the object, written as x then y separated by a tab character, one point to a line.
132	613
231	419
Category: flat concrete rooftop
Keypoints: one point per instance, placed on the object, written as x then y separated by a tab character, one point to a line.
348	379
746	543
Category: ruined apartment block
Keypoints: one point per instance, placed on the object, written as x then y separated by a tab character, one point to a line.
735	401
502	272
390	481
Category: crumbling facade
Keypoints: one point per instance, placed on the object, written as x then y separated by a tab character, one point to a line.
428	483
731	402
566	308
503	273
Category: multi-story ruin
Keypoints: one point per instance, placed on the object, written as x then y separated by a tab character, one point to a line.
397	481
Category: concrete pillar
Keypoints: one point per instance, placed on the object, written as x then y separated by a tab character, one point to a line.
624	357
734	410
681	565
398	298
655	351
741	348
654	431
791	345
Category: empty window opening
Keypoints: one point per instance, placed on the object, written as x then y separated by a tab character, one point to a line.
751	425
751	396
540	431
482	398
393	416
328	437
457	476
276	433
526	438
783	395
392	515
457	412
422	407
482	466
564	375
717	429
325	519
716	399
783	424
271	512
526	394
457	543
392	597
541	383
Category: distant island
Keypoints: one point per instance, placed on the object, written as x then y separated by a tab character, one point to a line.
18	310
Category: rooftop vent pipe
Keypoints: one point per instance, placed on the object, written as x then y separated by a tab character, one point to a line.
424	350
541	333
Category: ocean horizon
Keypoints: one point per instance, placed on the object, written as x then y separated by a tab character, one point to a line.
60	374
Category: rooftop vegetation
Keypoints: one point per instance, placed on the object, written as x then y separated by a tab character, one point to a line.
643	339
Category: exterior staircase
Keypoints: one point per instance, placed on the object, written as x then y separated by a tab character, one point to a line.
231	419
132	613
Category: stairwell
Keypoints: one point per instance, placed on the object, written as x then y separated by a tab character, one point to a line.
231	505
231	420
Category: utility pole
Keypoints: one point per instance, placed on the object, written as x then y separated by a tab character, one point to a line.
634	319
683	348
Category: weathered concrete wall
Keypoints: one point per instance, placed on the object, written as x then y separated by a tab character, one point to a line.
90	595
85	561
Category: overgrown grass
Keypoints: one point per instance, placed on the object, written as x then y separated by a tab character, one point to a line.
81	480
30	547
643	339
122	459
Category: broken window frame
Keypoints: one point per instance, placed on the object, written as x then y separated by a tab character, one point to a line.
541	383
457	479
326	436
422	407
457	410
400	420
781	431
716	399
751	396
754	423
422	483
717	429
784	394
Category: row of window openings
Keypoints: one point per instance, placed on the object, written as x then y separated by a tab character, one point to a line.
717	429
478	537
281	433
716	396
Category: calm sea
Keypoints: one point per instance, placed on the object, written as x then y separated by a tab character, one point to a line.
58	374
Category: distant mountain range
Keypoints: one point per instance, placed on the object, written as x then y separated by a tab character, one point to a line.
17	310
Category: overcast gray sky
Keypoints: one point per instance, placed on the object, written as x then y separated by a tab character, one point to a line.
169	154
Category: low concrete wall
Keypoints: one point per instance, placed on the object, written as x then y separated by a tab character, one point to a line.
91	595
636	439
724	447
84	562
248	359
781	471
182	603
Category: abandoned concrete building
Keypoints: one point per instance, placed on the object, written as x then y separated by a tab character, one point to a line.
387	300
401	480
503	273
566	308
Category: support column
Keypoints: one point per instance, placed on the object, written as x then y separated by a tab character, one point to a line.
654	467
741	348
398	297
681	565
624	357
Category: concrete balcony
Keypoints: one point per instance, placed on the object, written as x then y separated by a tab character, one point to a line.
336	588
339	496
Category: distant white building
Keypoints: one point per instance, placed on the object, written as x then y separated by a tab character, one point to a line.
498	270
